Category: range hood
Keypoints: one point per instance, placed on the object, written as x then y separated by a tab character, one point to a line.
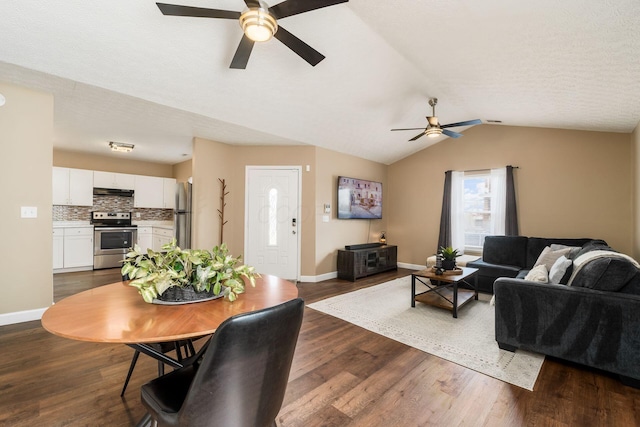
97	191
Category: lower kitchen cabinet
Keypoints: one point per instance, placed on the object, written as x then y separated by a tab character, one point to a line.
78	247
58	248
161	236
145	238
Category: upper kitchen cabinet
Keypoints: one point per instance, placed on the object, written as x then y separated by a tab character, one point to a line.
148	192
121	181
154	192
169	187
72	187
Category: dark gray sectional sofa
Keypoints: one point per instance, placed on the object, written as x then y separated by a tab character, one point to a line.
512	256
594	321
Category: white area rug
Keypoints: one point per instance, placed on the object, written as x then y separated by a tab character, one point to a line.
468	340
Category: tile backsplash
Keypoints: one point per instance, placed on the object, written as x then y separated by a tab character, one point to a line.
110	204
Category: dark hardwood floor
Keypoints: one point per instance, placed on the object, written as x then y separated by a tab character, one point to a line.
342	375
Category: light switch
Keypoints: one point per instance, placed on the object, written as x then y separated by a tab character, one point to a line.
327	208
28	212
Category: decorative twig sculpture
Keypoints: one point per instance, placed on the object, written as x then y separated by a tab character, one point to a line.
224	192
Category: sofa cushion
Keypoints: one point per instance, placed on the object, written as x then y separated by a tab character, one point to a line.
605	274
594	245
632	286
535	246
505	250
488	269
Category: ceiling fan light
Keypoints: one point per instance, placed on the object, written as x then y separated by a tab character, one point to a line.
258	24
433	132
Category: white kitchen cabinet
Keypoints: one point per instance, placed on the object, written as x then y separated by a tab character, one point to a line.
149	192
145	238
58	248
72	187
161	236
169	187
121	181
78	247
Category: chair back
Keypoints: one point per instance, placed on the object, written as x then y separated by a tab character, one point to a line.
243	376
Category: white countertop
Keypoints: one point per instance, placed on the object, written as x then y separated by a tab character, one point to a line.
72	224
158	224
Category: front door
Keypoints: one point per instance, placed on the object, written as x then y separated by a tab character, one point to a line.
272	238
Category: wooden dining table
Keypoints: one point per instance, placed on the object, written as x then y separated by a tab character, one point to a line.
116	313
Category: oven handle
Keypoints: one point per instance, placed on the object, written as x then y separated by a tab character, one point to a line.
115	228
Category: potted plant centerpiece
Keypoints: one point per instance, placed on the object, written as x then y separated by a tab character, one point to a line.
177	275
449	256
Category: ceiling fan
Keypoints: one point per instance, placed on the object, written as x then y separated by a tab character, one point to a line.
259	23
435	129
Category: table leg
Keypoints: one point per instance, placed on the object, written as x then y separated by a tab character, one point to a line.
413	290
476	285
455	300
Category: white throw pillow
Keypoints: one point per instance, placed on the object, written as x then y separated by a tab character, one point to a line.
559	268
548	257
538	274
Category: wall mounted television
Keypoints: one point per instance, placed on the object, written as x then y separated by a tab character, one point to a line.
359	198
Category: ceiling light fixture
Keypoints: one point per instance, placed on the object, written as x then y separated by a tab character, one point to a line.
258	24
121	147
433	132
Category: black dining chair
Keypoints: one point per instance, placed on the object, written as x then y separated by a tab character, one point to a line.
241	380
163	347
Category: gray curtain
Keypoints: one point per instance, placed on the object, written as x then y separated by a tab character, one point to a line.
444	239
511	214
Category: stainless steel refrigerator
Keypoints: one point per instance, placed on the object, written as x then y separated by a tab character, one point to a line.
182	214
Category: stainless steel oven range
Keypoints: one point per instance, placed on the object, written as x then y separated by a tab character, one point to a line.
113	236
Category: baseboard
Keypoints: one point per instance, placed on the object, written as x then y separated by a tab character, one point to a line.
411	266
21	316
319	278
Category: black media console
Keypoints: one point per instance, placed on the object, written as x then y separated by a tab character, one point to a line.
362	260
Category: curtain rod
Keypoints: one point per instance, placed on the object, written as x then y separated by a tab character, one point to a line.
482	170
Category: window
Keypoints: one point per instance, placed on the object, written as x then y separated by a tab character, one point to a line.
477	207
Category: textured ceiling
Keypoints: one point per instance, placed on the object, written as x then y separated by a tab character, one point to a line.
120	70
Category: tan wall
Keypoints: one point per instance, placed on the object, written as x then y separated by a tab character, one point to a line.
569	184
73	159
213	161
284	156
183	171
335	234
635	159
26	135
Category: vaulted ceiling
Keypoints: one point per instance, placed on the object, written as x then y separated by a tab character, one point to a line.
121	71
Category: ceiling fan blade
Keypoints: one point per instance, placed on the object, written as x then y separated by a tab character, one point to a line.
294	7
422	128
241	56
197	12
417	136
451	134
303	50
252	3
467	123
